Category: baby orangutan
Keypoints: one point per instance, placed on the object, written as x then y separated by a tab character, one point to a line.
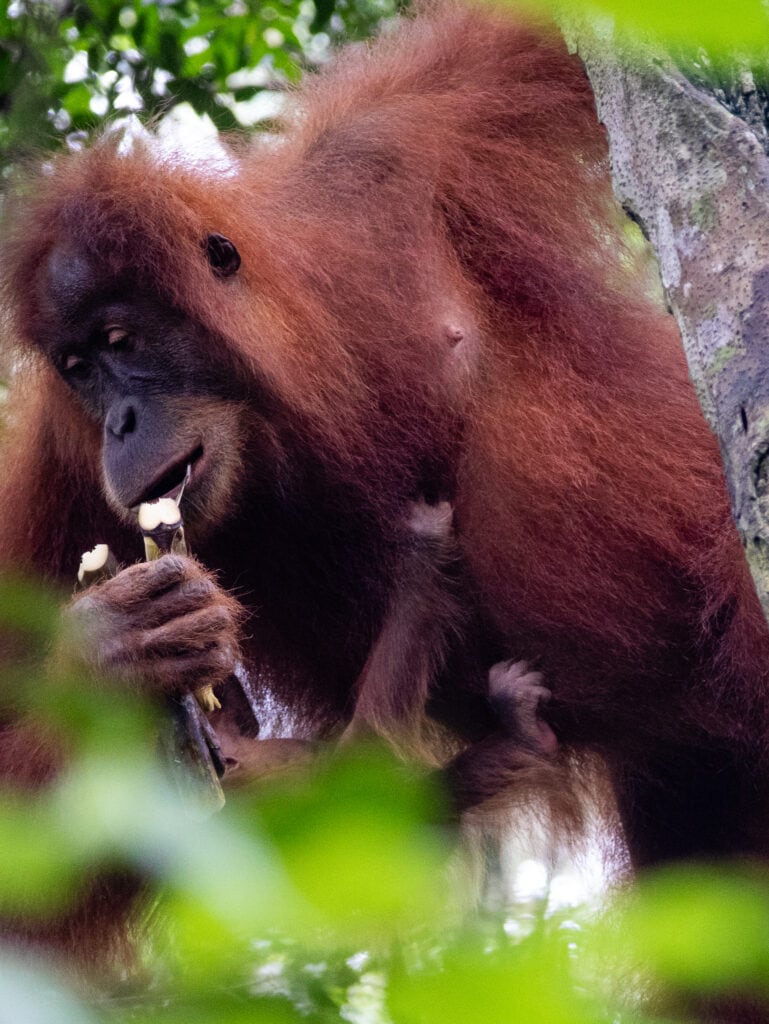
415	653
406	665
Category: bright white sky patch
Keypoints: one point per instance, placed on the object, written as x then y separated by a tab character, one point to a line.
192	138
77	68
262	107
273	37
196	45
99	105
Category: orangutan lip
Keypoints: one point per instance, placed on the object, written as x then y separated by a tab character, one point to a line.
172	481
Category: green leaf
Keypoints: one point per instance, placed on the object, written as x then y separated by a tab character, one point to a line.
358	840
701	928
28	606
323	11
713	24
526	984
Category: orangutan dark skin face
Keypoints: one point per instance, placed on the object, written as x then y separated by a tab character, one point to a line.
139	369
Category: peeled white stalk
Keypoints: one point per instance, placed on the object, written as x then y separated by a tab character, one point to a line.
163	531
96	565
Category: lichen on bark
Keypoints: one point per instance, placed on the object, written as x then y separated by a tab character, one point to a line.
695	176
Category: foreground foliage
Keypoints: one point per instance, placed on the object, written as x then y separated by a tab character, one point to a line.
336	895
333	895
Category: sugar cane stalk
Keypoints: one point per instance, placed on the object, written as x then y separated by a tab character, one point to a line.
96	565
189	741
192	743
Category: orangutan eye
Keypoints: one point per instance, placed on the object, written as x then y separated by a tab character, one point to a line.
222	255
74	364
115	335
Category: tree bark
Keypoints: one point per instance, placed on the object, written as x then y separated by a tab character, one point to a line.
696	178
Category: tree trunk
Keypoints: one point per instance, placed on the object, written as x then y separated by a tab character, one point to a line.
695	176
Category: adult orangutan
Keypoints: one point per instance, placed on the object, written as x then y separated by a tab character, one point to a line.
419	289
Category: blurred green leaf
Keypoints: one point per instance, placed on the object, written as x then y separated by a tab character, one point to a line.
701	928
739	25
359	841
40	869
725	26
531	982
29	607
220	1007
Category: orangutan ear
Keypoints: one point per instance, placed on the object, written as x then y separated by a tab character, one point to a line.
222	255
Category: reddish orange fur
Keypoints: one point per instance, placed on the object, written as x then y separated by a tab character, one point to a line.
456	178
